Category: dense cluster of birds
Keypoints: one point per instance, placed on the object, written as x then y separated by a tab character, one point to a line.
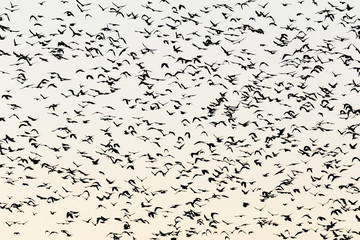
175	120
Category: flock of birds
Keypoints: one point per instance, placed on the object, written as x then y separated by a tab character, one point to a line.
175	120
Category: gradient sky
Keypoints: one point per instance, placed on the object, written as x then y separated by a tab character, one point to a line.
270	108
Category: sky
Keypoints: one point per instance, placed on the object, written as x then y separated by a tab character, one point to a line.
177	120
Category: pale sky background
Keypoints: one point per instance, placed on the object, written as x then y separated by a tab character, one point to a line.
172	121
